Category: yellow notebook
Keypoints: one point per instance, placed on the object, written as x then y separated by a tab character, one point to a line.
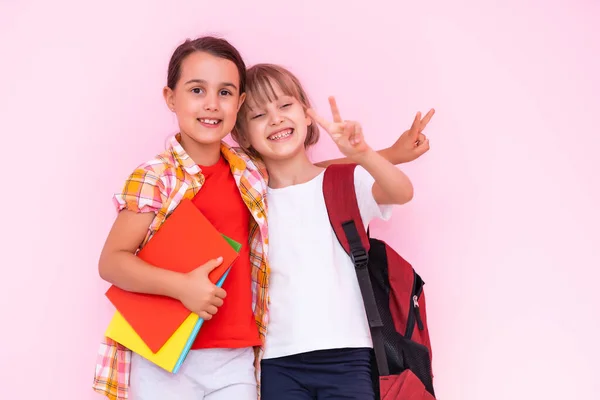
168	356
171	355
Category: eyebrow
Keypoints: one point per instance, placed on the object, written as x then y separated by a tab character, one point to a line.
202	81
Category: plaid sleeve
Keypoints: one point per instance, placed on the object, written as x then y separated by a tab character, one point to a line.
113	364
143	192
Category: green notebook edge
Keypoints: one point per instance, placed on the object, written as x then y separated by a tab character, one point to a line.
236	246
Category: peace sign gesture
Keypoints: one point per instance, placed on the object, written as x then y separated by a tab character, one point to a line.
347	135
413	143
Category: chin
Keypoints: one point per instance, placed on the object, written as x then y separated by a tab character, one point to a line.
283	154
208	138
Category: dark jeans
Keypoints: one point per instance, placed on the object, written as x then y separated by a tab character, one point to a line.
318	375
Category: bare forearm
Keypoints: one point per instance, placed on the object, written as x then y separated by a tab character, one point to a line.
392	186
128	272
394	156
387	154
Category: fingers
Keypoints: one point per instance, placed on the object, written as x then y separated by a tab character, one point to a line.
420	123
356	139
220	293
414	128
212	310
349	128
354	132
212	264
335	112
427	118
213	305
216	301
422	147
204	315
320	120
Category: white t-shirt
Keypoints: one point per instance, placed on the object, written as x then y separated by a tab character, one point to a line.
315	300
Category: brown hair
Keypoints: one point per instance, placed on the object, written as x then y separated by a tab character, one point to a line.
209	44
259	90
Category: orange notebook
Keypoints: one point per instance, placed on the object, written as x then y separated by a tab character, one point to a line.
185	241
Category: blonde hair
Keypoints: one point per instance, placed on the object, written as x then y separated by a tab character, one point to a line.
260	79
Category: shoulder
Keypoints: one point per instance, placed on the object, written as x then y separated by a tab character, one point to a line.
147	186
162	171
253	163
160	166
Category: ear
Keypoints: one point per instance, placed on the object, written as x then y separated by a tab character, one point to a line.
169	98
241	101
309	120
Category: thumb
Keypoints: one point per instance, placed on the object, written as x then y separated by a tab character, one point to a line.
211	265
422	148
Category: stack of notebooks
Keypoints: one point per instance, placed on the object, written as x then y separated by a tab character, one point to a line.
160	328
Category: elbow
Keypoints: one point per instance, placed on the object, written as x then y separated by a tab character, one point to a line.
104	269
406	195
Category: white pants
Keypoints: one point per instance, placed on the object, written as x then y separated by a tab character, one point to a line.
211	374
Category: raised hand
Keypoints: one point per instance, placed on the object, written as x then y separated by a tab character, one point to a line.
347	135
413	143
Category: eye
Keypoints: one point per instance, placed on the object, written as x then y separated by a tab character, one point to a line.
225	92
257	116
286	105
197	90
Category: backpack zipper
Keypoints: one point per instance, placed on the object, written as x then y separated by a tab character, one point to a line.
415	313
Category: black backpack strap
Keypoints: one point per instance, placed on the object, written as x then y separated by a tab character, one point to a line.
346	221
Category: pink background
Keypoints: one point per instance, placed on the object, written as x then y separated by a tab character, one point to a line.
505	222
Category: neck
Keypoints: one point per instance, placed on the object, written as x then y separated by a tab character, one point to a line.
291	171
202	154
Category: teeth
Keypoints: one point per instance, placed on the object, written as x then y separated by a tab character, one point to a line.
209	121
281	135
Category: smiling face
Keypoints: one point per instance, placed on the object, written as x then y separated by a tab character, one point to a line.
273	121
277	129
206	97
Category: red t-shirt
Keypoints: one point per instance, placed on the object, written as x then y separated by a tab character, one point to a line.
219	199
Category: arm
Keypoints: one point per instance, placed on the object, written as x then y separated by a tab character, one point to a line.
391	185
388	154
411	145
120	266
142	197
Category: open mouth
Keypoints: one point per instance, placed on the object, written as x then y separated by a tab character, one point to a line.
209	122
283	134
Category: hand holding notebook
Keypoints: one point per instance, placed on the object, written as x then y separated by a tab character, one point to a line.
171	356
198	294
185	241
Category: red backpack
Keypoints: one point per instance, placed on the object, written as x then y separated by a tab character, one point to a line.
392	293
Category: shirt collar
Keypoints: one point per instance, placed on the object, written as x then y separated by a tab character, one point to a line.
183	158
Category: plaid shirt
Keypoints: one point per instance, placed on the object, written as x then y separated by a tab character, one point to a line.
159	186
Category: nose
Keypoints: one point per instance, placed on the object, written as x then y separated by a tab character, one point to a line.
276	119
212	102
